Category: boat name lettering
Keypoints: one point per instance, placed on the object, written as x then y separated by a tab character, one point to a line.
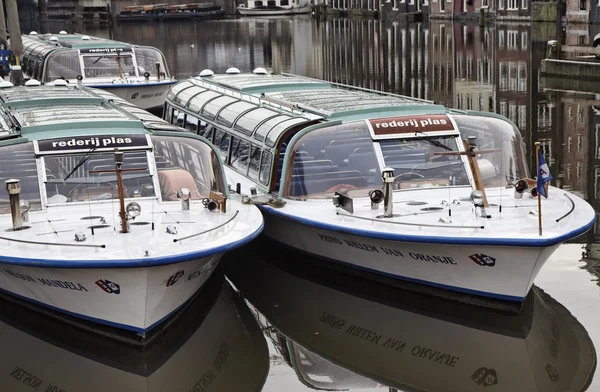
222	356
84	143
204	382
388	251
105	50
47	282
62	284
146	96
434	355
367	247
26	378
393	344
201	271
328	238
433	259
332	320
408	124
362	333
336	322
553	349
209	377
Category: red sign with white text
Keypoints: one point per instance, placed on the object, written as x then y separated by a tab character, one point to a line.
408	124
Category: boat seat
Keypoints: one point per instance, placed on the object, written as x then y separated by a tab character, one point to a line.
315	145
300	170
316	162
171	181
365	162
405	156
338	154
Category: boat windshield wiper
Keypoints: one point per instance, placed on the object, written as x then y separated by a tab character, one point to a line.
433	141
81	162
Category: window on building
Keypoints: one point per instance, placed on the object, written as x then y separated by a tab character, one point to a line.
569	143
524	4
500	4
580	114
582	5
443	6
512	4
485	3
579	143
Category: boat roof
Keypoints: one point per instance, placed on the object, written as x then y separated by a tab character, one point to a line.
41	112
312	97
72	41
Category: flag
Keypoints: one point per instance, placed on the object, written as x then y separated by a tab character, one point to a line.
543	175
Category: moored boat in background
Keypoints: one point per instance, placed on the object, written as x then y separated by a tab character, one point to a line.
139	74
112	215
170	12
459	211
274	7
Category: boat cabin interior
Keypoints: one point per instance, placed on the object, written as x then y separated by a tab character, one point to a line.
72	57
304	138
59	142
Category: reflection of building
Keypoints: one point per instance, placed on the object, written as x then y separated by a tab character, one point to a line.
473	80
368	53
492	9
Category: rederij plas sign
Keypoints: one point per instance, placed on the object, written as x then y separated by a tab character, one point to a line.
389	127
95	143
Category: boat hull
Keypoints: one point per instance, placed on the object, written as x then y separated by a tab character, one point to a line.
144	95
273	12
135	299
499	272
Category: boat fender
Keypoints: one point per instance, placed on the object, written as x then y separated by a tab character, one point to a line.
339	187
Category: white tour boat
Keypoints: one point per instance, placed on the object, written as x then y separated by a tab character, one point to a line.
215	345
410	341
110	214
136	73
274	7
385	184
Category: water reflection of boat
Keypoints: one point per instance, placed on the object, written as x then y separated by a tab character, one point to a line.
215	344
401	339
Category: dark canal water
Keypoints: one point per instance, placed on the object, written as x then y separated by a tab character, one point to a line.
306	328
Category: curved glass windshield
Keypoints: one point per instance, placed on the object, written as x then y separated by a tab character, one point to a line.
18	162
416	162
184	162
63	65
180	162
108	65
146	59
86	177
333	158
507	164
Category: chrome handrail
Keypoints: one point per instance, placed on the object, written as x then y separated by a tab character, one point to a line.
446	226
206	231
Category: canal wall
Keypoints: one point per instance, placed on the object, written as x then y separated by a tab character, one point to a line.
587	70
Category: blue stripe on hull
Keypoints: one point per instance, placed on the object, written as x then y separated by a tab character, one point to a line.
407	279
538	243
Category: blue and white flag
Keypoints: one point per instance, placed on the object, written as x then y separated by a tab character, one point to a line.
543	175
